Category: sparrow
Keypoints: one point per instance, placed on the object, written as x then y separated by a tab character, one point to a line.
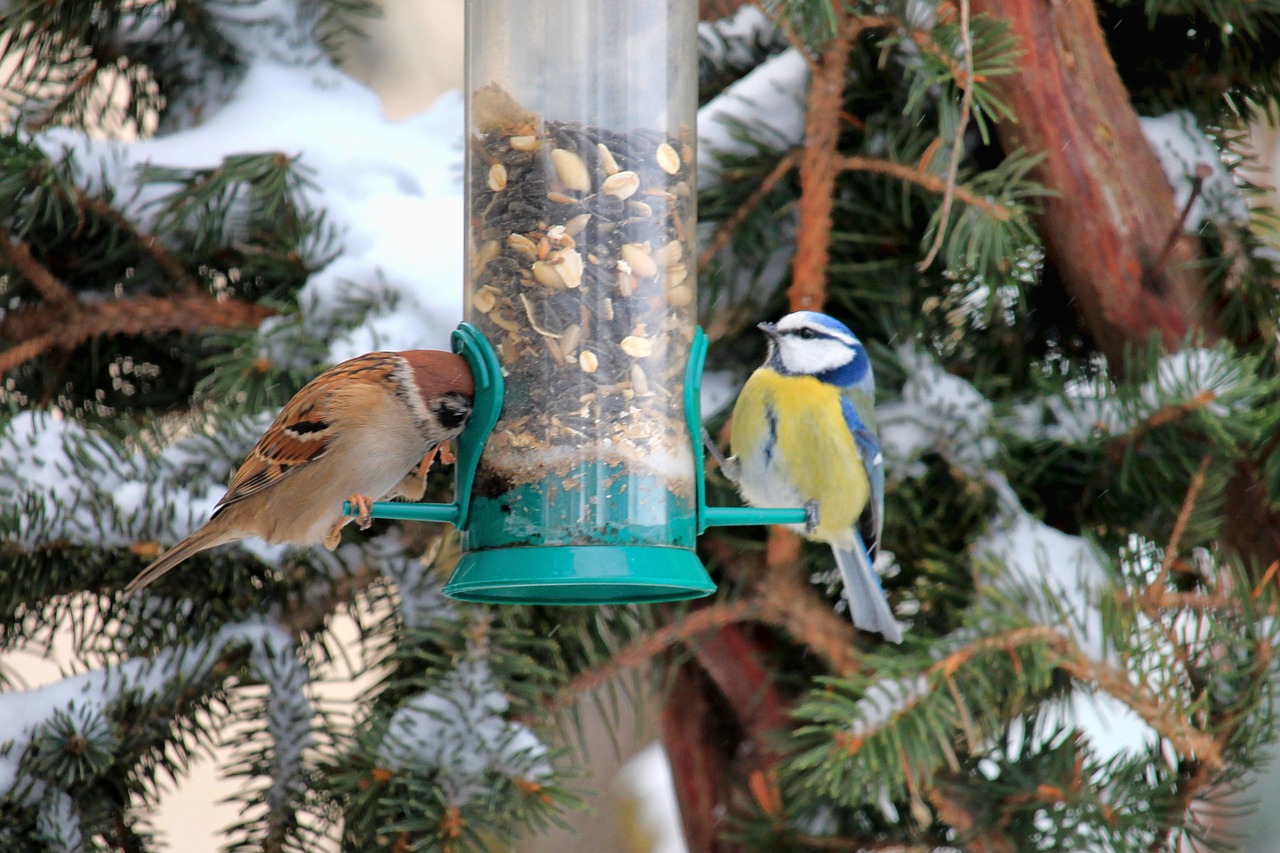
365	429
804	434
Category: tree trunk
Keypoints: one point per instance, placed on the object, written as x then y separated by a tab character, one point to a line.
1112	230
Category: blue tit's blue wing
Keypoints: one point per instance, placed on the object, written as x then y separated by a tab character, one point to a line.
868	444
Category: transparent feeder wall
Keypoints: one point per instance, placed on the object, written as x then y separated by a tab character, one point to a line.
582	216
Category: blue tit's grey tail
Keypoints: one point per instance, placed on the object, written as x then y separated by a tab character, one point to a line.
867	603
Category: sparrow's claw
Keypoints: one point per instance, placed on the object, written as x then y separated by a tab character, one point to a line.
364	510
811	517
448	452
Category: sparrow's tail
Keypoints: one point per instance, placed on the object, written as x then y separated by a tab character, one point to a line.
867	602
206	537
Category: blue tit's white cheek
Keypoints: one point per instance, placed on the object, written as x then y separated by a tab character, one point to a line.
814	355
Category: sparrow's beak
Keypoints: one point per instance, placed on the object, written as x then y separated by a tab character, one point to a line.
769	329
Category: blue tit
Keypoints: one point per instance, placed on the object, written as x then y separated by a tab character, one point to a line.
804	434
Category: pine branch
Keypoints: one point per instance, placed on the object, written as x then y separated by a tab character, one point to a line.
820	162
1188	741
687	631
1126	443
926	180
39	330
54	292
724	233
788	602
149	242
1180	525
975	837
957	141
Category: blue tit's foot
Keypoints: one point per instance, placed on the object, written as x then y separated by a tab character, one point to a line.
810	516
730	466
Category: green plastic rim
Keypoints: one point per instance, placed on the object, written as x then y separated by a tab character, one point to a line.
585	574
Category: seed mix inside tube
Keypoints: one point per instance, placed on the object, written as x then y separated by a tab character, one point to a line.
582	240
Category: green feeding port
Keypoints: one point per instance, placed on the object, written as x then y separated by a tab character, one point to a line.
593	533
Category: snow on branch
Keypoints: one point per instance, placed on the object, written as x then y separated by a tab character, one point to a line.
65	484
460	732
25	714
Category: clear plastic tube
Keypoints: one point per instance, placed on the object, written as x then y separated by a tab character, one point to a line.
581	266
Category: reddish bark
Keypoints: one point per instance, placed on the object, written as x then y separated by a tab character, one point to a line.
1108	227
699	770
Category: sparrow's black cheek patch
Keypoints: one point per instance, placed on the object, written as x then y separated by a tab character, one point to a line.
452	411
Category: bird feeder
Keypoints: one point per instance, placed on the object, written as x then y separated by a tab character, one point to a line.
579	478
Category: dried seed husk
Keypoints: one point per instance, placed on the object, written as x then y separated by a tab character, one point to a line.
639	210
668	159
639	382
676	274
568	265
636	346
523	245
493	109
607	161
547	275
570	169
621	185
570	338
680	296
575	224
626	280
588	362
640	261
504	321
560	238
670	253
488	250
497	177
553	347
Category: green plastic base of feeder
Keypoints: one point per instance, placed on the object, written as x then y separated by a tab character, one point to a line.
586	574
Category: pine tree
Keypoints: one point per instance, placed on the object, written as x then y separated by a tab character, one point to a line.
1072	316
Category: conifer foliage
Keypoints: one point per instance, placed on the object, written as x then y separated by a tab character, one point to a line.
1033	212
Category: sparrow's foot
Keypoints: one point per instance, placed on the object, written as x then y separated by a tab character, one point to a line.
414	485
364	510
448	452
334	536
811	518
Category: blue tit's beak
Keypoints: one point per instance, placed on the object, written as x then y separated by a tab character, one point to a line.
769	329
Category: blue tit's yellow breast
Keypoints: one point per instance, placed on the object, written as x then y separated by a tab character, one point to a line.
790	435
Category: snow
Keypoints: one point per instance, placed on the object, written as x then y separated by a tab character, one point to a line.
274	660
64	484
939	412
59	824
1183	148
24	712
460	730
646	777
392	190
1058	576
884	700
764	109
